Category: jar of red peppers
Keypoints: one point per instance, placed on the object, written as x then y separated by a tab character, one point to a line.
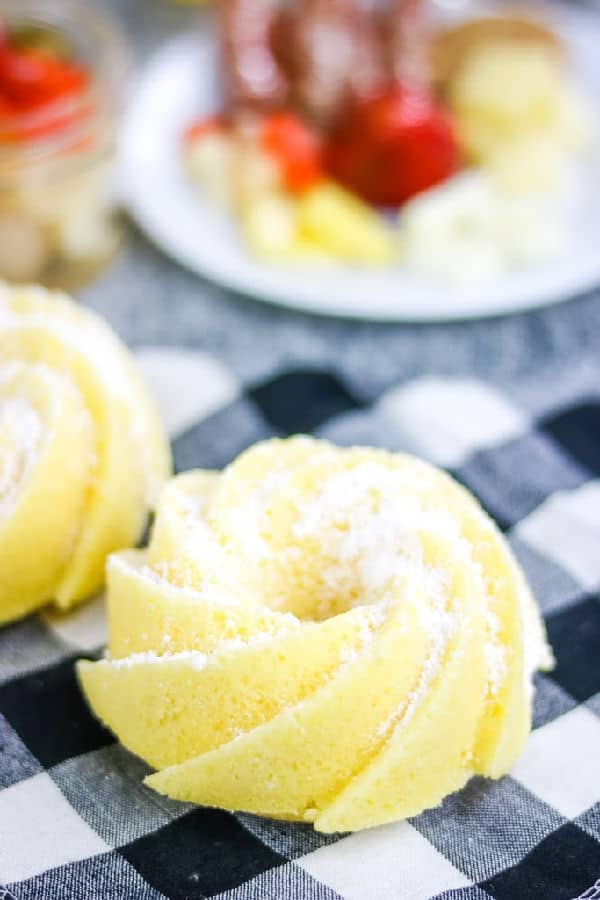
62	75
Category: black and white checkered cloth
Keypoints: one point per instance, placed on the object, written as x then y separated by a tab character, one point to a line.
76	822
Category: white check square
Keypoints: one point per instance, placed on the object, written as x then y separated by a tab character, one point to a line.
85	628
187	385
561	762
386	863
448	419
566	529
40	830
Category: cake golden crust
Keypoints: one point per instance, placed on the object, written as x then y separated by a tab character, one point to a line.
82	452
338	636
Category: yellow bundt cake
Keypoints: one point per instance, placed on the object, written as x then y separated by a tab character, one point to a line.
338	636
82	452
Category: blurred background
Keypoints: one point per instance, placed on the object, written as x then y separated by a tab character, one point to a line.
117	234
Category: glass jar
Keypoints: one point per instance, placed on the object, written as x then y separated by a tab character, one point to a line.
57	204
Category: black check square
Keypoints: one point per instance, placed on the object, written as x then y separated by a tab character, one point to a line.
199	855
290	839
550	701
507	819
577	430
514	478
575	638
553	588
302	400
473	892
590	821
48	712
16	762
104	877
561	867
286	882
214	442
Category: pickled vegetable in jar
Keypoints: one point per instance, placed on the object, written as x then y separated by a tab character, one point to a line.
62	75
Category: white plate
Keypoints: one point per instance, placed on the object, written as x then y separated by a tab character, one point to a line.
181	83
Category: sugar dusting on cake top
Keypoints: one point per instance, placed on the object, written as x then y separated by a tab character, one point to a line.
21	428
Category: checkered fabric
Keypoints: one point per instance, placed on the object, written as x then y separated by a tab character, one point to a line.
76	822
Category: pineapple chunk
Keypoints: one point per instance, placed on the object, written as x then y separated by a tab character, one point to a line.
269	224
573	123
508	94
344	226
210	161
255	174
532	163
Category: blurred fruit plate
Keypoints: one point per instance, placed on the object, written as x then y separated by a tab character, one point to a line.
181	83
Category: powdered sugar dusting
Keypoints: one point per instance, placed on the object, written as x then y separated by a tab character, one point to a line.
446	623
197	659
21	425
369	536
371	619
494	654
246	524
88	335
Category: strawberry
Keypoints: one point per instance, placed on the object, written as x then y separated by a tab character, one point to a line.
393	146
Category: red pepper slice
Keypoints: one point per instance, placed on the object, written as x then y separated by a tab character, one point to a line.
32	83
31	78
295	148
202	127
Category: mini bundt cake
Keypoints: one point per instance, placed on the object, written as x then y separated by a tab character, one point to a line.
82	451
336	636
